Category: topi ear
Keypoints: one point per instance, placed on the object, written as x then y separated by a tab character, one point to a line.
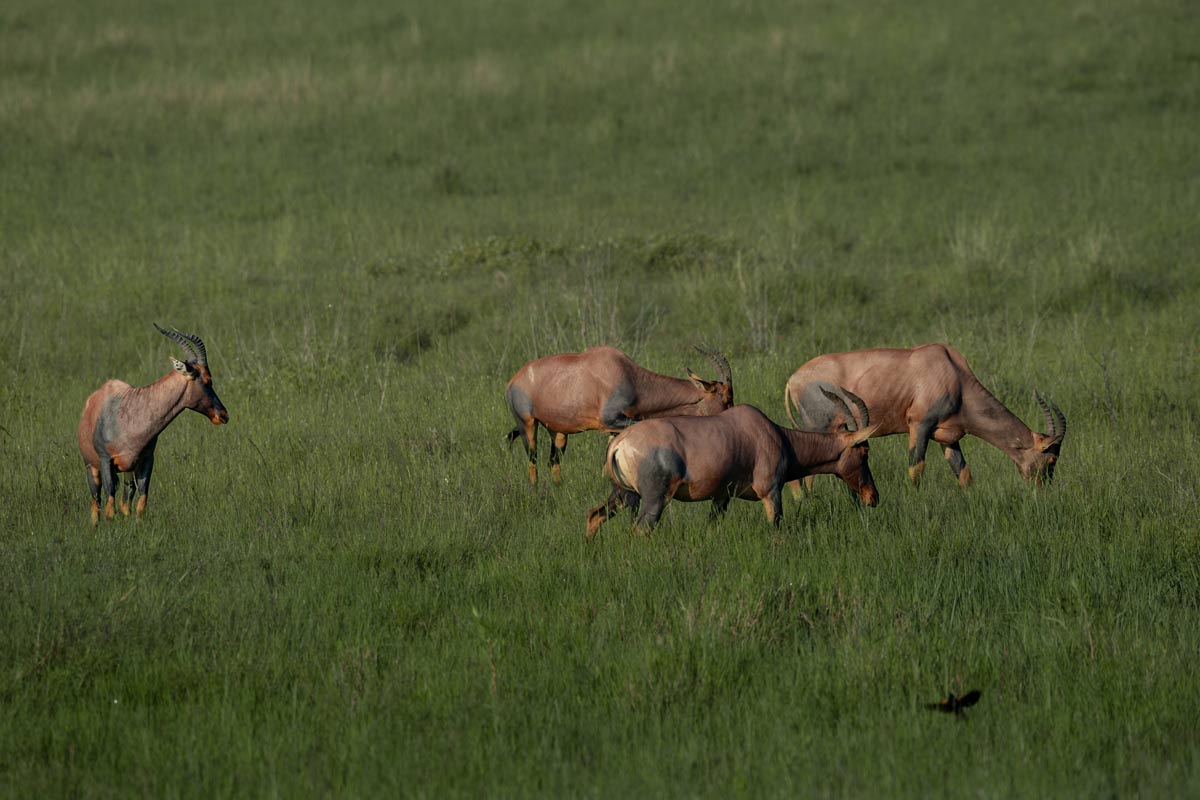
862	435
699	382
183	368
1047	444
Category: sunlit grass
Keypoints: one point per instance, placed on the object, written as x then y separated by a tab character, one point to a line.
375	217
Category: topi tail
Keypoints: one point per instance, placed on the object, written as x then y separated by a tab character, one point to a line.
787	403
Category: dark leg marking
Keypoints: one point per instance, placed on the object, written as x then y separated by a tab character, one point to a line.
773	504
519	405
522	410
918	440
142	476
919	436
617	499
93	479
659	472
108	477
633	502
106	427
108	481
558	446
651	513
530	440
958	464
613	413
720	504
127	500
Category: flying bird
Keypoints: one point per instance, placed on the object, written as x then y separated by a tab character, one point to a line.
956	705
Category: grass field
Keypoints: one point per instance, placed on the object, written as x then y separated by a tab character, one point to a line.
375	215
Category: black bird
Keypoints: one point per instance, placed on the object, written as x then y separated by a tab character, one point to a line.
956	705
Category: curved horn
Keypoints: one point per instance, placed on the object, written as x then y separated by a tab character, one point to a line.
865	418
838	401
188	341
1062	420
201	350
719	362
1037	396
1056	422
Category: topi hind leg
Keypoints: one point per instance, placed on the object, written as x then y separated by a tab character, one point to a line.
596	517
658	479
617	499
530	442
633	501
108	482
652	509
654	496
93	479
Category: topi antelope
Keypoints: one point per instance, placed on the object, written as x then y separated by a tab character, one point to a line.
603	389
930	393
121	423
737	453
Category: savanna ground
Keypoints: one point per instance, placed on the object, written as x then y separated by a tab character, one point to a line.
375	214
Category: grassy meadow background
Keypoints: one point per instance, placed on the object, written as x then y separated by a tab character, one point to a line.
374	213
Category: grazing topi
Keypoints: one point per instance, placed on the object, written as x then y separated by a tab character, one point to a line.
603	389
928	392
737	453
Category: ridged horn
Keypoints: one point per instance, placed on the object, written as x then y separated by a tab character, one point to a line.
838	401
188	341
719	362
1056	421
865	419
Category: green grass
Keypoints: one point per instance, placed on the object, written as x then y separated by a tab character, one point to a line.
374	216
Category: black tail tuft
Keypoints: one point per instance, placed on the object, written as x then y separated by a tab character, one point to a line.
513	435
